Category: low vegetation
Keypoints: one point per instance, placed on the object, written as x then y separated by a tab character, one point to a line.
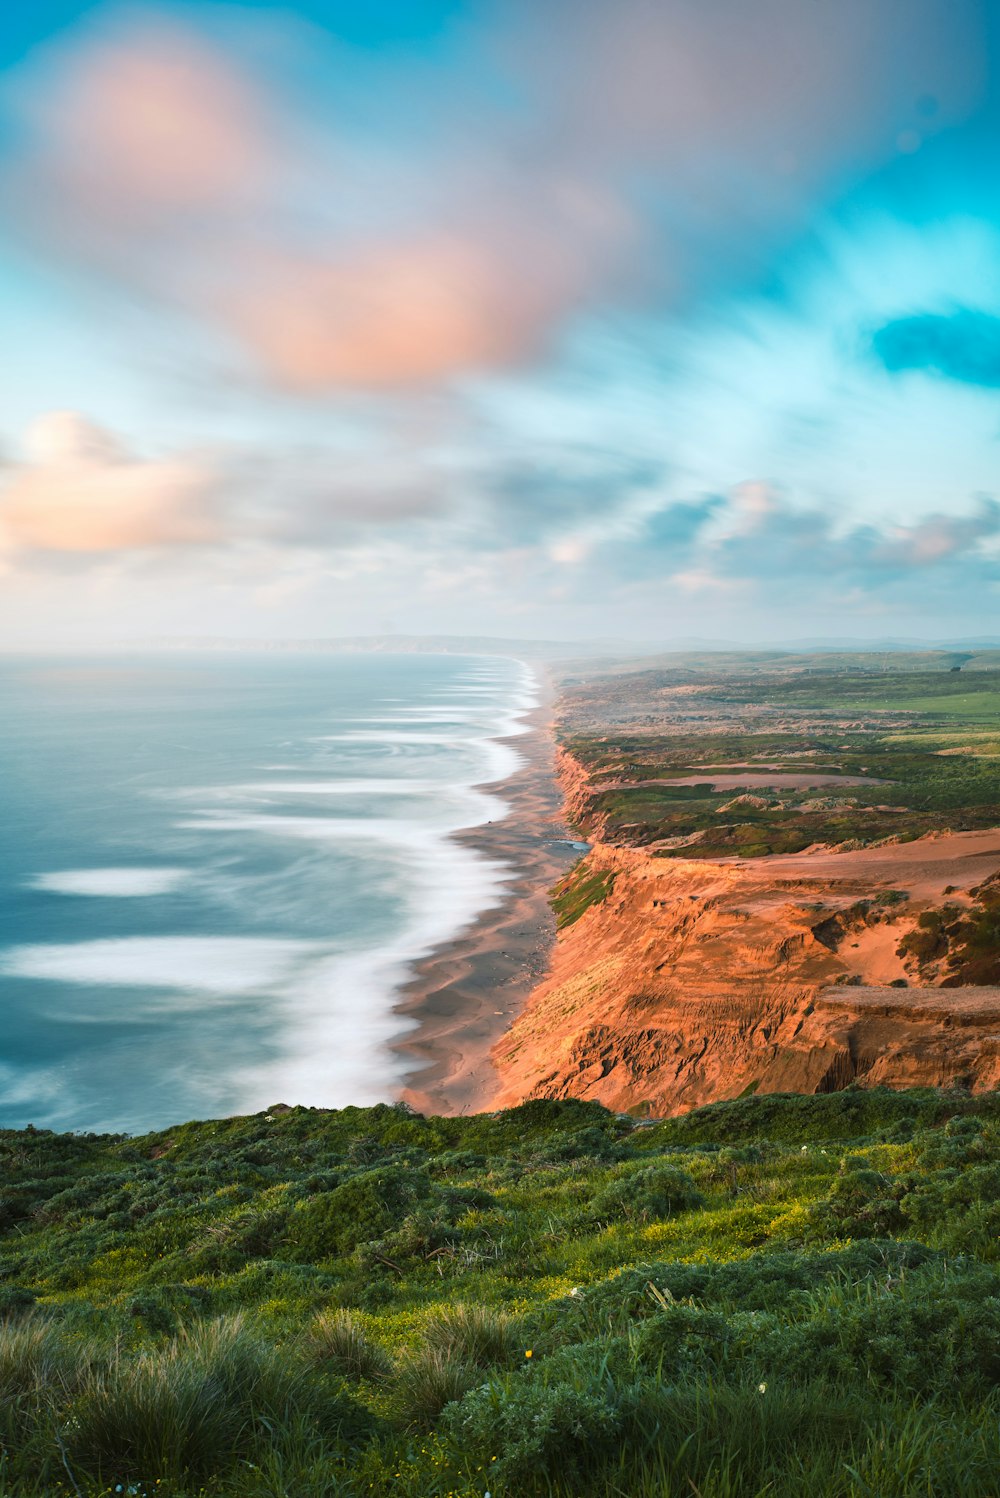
774	1295
577	891
917	738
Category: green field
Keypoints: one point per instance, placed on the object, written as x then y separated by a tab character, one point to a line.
796	1295
931	738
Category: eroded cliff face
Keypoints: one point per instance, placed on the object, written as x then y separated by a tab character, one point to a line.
695	980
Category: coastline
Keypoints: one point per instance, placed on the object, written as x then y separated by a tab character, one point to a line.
466	994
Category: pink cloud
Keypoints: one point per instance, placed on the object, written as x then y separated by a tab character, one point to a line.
333	257
937	538
148	124
80	491
419	307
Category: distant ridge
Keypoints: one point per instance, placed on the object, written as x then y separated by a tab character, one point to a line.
407	645
636	653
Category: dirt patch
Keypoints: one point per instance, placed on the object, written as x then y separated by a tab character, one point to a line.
778	780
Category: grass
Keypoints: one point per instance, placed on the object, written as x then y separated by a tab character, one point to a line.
773	1295
336	1340
578	891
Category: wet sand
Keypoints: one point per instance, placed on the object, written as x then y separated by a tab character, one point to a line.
464	996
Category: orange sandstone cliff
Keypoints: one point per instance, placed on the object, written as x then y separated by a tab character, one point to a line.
694	980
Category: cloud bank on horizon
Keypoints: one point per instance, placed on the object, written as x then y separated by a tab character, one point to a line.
643	320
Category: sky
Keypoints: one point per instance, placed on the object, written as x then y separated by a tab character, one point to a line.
653	321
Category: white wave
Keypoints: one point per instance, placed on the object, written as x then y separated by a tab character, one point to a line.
412	716
327	1007
336	788
340	1011
201	964
472	809
369	736
123	883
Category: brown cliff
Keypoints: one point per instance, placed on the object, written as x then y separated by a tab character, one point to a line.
697	980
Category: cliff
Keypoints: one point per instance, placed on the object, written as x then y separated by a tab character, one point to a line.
696	980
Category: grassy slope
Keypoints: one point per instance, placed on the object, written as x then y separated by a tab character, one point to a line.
577	891
780	1295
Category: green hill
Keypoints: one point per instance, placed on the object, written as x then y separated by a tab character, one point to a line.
770	1296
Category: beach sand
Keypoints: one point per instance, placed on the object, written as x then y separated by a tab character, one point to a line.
464	996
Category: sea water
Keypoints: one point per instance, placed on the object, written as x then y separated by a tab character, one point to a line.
218	870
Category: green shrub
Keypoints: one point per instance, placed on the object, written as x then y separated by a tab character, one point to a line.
530	1429
153	1311
361	1210
683	1340
930	1332
654	1193
781	1282
862	1203
590	1143
15	1300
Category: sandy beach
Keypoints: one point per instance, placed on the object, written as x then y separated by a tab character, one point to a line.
464	996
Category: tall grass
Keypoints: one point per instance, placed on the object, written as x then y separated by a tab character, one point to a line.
474	1334
800	1319
185	1409
427	1380
337	1340
892	1451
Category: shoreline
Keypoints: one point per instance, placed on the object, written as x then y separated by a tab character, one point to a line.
466	994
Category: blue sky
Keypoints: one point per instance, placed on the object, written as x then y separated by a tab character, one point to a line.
645	321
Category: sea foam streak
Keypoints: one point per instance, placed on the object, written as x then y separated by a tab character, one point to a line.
347	1000
112	883
198	964
305	886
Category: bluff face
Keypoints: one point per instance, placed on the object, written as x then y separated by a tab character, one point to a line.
696	980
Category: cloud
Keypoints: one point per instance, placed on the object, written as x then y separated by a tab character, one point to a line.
388	314
78	490
763	536
564	494
962	345
144	127
937	538
574	156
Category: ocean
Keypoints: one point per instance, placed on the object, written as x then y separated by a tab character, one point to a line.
217	872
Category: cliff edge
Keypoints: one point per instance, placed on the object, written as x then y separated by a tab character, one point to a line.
686	981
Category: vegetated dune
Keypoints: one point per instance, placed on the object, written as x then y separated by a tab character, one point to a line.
694	981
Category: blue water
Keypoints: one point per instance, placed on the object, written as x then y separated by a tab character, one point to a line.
216	873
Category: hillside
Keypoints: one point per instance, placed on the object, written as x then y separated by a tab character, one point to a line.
786	1295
